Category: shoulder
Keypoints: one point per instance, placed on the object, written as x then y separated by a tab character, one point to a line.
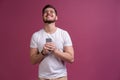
63	33
38	32
62	30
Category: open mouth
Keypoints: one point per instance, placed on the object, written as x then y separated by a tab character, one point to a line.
49	16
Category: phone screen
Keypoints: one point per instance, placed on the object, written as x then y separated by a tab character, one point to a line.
48	40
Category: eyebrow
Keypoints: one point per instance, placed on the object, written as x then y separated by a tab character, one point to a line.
50	10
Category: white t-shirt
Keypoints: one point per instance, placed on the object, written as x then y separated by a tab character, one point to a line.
51	66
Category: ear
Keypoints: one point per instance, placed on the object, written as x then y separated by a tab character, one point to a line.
56	17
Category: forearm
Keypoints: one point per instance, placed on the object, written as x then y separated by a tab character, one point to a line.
65	56
36	58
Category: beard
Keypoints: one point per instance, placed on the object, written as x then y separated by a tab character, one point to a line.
49	21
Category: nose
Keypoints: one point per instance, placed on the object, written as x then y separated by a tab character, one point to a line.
48	12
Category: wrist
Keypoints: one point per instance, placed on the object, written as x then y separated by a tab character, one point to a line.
56	50
42	52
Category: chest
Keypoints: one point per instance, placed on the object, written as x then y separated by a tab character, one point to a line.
57	39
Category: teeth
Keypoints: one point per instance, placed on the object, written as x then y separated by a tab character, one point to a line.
49	16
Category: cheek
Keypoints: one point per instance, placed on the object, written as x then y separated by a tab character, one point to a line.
56	18
44	15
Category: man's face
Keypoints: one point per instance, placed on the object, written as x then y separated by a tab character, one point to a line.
49	15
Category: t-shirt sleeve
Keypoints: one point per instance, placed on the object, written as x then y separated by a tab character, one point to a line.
33	42
67	39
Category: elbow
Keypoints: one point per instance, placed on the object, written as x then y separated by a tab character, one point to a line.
32	62
71	60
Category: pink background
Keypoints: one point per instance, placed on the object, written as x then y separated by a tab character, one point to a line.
94	26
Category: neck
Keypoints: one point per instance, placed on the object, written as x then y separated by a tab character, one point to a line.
50	28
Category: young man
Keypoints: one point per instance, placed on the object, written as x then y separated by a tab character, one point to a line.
51	47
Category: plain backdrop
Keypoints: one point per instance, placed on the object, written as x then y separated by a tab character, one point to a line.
94	26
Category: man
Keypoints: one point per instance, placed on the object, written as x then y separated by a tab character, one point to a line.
51	47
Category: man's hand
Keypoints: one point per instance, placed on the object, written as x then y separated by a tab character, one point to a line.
48	47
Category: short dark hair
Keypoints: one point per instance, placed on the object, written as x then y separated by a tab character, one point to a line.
49	6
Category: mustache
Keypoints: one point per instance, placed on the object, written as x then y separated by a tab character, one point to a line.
49	21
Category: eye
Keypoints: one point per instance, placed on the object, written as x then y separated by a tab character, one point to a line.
45	11
52	12
49	11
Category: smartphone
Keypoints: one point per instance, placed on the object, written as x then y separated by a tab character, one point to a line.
48	40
